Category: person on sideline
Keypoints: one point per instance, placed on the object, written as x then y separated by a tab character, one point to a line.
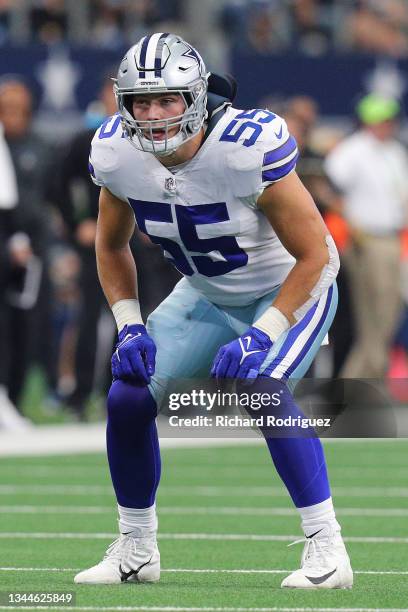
369	169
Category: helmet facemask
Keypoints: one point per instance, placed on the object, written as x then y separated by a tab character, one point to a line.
162	64
141	132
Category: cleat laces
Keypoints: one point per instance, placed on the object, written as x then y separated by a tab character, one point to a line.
119	549
316	554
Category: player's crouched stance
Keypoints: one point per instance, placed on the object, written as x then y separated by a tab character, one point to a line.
216	188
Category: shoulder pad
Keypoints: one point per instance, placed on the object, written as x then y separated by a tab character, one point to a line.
273	155
243	167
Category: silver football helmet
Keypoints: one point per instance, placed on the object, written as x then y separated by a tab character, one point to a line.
162	63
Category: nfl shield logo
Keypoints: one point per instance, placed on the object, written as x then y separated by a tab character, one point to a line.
170	184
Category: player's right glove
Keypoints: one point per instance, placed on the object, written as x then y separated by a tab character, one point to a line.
243	357
134	356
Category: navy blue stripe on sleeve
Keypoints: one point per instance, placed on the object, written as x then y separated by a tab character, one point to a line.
288	147
274	174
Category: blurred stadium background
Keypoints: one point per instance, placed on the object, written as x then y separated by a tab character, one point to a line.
308	60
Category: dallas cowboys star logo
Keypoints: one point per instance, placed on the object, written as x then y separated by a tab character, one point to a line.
191	53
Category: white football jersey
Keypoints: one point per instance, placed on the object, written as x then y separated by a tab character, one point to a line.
203	213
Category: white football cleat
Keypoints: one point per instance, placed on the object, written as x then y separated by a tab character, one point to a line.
128	559
325	563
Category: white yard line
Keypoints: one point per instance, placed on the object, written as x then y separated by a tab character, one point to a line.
202	571
95	471
198	490
240	537
60	510
39	489
46	440
198	609
203	511
265	491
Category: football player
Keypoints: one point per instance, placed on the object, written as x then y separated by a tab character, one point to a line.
216	187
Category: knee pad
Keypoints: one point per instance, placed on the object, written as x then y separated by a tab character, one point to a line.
130	405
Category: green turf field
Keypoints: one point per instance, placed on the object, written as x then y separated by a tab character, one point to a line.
225	522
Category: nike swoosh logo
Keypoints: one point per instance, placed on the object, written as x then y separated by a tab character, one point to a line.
248	338
313	534
279	134
128	336
321	579
126	575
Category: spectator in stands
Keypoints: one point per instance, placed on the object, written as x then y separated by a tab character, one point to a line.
260	26
108	24
115	21
379	27
49	20
268	27
370	171
5	6
29	297
311	35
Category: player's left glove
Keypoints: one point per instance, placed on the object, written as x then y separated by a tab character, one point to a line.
243	357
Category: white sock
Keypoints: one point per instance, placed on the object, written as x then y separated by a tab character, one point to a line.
138	521
318	514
